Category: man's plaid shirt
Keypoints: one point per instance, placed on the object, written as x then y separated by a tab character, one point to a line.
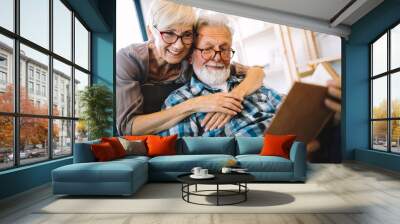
259	108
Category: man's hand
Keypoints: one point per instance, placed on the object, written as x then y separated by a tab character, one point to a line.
335	92
216	120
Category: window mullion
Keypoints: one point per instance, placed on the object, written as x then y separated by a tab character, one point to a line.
50	81
371	140
73	82
389	106
16	83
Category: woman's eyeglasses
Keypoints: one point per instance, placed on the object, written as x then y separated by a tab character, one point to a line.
170	37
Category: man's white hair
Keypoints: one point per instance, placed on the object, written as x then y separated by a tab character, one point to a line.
163	14
207	18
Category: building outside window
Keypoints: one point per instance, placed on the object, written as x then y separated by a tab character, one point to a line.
30	72
37	75
44	77
3	78
55	98
3	61
38	89
30	87
43	90
3	71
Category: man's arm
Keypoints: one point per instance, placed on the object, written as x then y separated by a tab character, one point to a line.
252	81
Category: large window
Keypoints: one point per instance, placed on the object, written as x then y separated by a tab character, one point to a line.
385	92
44	63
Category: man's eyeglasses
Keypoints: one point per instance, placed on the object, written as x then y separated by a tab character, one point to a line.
170	37
209	53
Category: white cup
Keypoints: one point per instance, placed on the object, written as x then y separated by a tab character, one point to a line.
196	170
203	172
226	170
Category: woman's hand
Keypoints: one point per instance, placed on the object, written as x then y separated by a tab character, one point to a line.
335	92
215	121
313	146
227	103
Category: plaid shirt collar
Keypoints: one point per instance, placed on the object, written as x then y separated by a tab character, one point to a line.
197	86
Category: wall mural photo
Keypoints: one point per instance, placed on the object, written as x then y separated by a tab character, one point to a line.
204	73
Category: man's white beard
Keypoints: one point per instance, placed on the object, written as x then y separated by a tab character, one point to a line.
213	78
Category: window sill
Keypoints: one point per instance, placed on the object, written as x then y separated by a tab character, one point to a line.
390	161
26	167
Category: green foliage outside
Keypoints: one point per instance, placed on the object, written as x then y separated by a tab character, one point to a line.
96	102
380	128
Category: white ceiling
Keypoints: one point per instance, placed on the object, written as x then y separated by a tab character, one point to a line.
315	15
320	9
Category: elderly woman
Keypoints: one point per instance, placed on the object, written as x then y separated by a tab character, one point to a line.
162	62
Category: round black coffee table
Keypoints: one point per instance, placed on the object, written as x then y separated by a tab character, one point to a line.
238	179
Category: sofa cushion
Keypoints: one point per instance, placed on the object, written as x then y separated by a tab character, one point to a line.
161	145
249	145
257	163
185	163
111	171
134	147
116	145
206	145
277	145
103	152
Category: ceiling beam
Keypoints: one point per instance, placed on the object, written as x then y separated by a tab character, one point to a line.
270	15
346	12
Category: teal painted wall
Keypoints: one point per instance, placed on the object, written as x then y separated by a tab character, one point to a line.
102	59
24	178
89	11
356	84
102	62
380	159
356	102
103	52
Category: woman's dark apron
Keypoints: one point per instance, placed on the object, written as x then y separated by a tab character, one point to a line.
155	94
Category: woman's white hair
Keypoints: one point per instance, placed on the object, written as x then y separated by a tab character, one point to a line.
163	14
207	18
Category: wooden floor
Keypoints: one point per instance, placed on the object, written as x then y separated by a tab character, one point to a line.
377	188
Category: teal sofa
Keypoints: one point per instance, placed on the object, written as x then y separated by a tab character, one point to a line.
125	176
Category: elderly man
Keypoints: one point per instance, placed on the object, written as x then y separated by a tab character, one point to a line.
211	59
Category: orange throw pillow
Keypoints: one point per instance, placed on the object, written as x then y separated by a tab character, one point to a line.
160	146
116	145
103	151
277	145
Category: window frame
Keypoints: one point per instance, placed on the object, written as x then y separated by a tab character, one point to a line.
16	114
388	74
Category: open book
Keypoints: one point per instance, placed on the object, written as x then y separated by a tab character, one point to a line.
302	112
